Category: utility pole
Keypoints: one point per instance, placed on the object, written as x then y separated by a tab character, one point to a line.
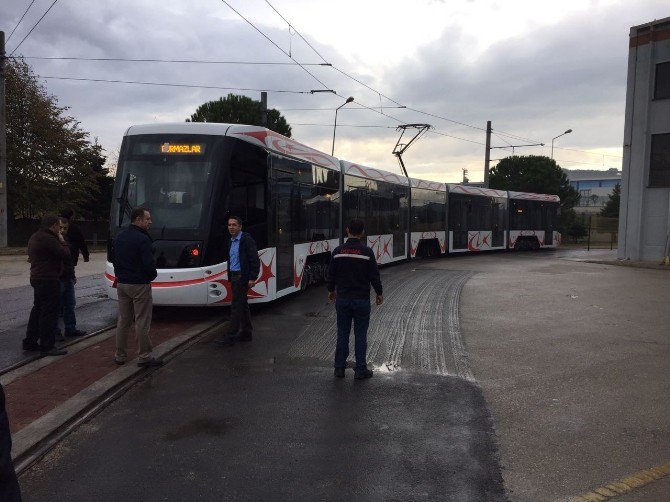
3	148
487	154
264	108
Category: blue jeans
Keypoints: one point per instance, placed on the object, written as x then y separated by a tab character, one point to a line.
68	303
358	311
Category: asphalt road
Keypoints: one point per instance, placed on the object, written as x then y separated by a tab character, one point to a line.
267	421
94	311
547	373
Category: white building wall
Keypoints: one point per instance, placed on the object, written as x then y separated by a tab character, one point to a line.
644	218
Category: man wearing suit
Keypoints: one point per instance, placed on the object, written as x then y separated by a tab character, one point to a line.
243	268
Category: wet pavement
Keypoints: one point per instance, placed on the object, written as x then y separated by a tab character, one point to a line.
94	311
266	420
543	371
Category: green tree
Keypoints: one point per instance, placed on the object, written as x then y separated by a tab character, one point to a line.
537	174
611	208
49	157
235	109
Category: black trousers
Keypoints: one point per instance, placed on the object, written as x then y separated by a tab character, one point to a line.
9	485
240	316
44	315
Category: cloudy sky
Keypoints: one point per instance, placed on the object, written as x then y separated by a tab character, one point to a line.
534	68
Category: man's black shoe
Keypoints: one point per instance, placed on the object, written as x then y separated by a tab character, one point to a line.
31	348
150	363
242	337
76	332
339	372
54	352
360	375
120	362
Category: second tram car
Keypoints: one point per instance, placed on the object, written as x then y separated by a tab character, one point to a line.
293	201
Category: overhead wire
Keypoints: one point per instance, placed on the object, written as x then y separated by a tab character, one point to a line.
17	24
166	84
33	28
378	92
274	43
195	61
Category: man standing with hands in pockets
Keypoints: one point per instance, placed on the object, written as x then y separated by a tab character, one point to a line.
353	268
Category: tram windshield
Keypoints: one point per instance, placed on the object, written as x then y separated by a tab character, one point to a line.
169	175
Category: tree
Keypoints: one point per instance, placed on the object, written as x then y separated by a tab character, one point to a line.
49	157
234	109
536	174
611	208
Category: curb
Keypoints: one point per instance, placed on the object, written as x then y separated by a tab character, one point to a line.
34	441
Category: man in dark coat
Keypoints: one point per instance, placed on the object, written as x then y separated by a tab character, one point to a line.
243	268
352	269
47	250
75	238
9	484
67	281
134	269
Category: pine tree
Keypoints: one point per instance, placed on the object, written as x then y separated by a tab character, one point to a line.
611	208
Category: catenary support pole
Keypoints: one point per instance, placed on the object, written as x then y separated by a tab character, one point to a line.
264	109
3	148
487	154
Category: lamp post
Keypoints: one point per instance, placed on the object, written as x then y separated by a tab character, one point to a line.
349	100
552	141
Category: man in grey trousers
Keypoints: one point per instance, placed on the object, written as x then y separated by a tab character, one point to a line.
134	269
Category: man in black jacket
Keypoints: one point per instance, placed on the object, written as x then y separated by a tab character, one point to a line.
68	279
134	270
243	267
10	491
352	269
46	251
75	237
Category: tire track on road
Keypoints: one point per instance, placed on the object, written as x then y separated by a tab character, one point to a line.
417	327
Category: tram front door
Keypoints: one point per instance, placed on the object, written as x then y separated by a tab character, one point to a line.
283	240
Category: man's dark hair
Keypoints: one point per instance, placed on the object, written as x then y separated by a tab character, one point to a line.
48	221
236	218
67	213
138	212
356	227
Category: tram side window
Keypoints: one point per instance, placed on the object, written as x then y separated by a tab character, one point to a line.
428	210
314	209
358	202
526	215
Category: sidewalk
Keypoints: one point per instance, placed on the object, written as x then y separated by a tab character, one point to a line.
15	269
47	395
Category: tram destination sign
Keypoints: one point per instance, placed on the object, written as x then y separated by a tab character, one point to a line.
183	148
155	148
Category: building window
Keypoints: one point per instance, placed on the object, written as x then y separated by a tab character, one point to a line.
659	165
662	84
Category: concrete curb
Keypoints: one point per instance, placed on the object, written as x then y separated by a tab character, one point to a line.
33	441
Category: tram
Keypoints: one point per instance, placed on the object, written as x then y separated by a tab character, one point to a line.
293	200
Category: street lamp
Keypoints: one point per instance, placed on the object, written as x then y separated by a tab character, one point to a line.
552	141
349	100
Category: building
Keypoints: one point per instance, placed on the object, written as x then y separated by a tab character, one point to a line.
594	187
644	220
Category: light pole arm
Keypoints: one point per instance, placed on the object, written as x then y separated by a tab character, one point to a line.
332	151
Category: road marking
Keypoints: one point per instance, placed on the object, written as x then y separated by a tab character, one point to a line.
625	485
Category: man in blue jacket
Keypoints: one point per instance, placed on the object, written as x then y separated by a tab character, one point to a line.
134	270
243	268
352	269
